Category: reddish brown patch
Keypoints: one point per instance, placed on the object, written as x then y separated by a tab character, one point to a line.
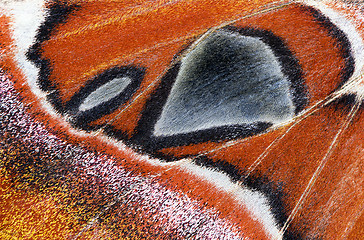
147	35
290	163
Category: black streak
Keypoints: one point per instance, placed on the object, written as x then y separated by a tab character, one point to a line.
273	192
342	41
57	14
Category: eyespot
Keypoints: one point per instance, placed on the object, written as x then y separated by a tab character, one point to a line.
103	94
230	78
193	88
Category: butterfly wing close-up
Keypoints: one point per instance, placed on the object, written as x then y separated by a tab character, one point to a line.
181	119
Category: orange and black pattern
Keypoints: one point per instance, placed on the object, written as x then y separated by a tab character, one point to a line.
172	119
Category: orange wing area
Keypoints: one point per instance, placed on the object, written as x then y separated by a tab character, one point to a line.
147	35
63	208
334	207
311	44
124	40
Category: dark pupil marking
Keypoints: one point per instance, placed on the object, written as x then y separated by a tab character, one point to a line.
228	79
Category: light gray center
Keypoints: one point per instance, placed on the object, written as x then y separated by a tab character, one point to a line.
105	93
228	79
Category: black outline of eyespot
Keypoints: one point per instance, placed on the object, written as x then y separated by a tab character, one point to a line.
58	13
81	119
